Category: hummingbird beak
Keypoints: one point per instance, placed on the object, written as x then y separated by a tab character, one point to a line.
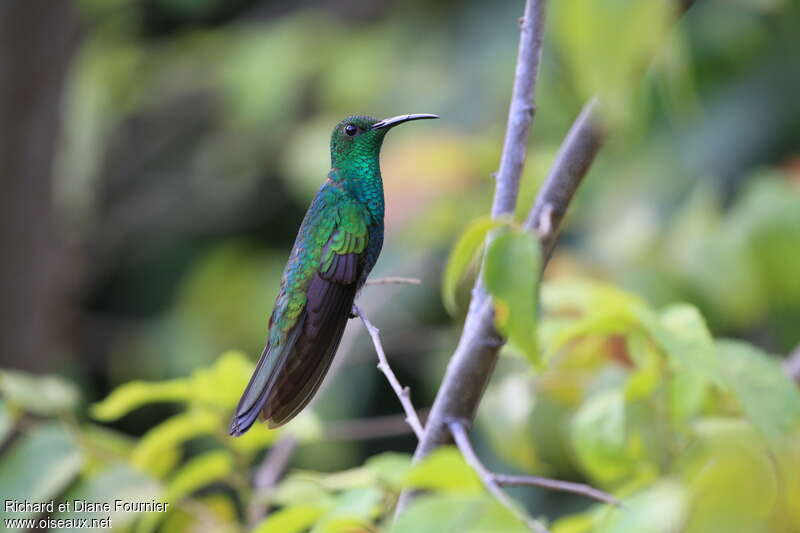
399	119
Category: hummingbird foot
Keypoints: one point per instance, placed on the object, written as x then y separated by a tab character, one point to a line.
354	312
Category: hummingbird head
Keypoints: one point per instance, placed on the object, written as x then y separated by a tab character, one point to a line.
360	137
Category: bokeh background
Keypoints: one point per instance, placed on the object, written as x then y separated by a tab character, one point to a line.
158	156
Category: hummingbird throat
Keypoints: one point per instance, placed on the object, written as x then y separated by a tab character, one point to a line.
361	177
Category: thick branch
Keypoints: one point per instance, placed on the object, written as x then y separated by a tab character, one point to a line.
474	359
574	158
521	110
472	364
403	393
459	431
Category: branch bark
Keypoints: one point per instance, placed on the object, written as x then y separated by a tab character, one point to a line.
473	361
574	158
471	366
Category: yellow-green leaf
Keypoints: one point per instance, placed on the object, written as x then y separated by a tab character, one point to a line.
767	396
166	437
445	470
130	396
197	473
462	255
291	519
43	395
217	386
511	274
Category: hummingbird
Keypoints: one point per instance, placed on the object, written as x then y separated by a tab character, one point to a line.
338	243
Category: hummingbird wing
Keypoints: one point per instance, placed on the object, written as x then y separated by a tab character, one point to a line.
311	311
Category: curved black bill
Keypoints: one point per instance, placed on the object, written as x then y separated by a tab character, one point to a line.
399	119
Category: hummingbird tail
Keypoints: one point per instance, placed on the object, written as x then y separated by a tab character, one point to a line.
328	311
262	381
287	375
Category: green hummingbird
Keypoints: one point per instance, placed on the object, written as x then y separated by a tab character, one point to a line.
336	247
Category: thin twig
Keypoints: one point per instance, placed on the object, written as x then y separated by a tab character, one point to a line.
403	393
459	431
394	280
558	485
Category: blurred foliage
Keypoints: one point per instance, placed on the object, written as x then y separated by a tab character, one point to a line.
641	402
196	133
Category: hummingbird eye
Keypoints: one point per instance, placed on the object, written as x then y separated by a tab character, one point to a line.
351	129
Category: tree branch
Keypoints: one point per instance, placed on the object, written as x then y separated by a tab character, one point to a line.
521	110
471	366
472	363
459	432
403	393
574	158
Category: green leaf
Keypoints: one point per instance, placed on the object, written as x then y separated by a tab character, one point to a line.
511	274
599	436
438	513
661	508
301	488
194	475
134	394
6	421
197	473
390	468
258	437
221	385
460	258
735	482
39	466
601	309
445	470
352	510
166	437
682	334
217	386
606	46
105	442
507	419
767	396
117	482
576	523
45	395
291	519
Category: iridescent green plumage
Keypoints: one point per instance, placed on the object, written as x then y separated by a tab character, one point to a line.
336	247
